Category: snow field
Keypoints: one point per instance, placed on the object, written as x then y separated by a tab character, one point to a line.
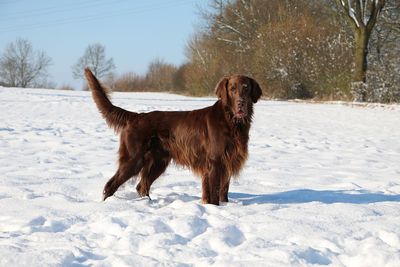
321	188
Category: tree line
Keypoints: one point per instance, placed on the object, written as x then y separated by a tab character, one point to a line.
321	49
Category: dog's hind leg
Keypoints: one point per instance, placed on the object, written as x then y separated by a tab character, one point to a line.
152	169
126	170
130	164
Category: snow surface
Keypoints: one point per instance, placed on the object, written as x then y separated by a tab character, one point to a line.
321	187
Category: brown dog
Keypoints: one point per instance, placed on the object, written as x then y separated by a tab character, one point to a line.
211	141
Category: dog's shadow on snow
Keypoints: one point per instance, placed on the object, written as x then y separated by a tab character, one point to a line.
300	196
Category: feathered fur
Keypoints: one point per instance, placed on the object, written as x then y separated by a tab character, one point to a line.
116	117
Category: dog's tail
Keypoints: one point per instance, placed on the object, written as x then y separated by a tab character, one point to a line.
116	117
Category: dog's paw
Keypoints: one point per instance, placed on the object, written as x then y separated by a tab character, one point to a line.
106	194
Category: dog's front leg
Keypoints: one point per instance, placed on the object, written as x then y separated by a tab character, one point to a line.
212	183
205	198
223	194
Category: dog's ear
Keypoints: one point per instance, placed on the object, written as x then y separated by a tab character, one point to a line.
221	90
256	91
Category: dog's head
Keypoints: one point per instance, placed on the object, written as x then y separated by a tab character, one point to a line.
238	93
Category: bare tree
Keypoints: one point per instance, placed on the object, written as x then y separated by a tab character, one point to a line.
94	58
160	75
362	16
383	76
21	66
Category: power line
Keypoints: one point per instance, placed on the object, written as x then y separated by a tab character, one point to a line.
80	19
55	9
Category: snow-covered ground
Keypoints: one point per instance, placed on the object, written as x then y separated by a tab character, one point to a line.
321	187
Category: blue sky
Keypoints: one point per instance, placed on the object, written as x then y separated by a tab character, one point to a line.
134	32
